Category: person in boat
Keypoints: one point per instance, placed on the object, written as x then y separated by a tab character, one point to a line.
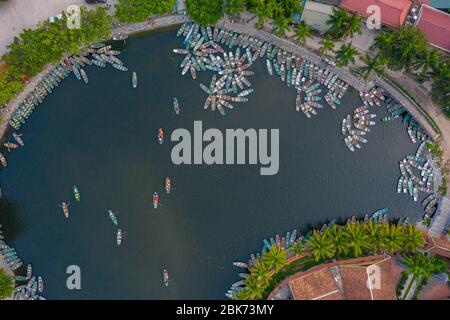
160	135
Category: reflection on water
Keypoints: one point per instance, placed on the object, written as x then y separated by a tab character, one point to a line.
10	219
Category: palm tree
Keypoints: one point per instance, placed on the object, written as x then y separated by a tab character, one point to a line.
427	61
235	7
281	26
254	290
421	265
327	46
261	13
260	271
384	41
321	245
412	239
275	258
339	240
393	238
302	31
376	236
346	54
358	240
372	65
6	285
353	25
337	22
241	295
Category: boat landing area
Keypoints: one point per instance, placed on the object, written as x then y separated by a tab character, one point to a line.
356	83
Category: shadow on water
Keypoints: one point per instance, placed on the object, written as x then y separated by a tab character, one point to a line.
10	219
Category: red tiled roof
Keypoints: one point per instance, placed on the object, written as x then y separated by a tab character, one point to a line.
319	283
314	284
437	245
435	24
393	12
355	280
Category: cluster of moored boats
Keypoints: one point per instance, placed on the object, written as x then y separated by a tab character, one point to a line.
31	287
356	126
11	146
308	79
416	173
98	54
415	132
292	238
204	50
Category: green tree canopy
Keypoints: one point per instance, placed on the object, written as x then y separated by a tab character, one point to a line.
235	7
33	49
401	47
281	26
130	11
440	90
358	239
6	285
321	245
275	258
372	65
421	265
346	54
205	12
327	46
302	31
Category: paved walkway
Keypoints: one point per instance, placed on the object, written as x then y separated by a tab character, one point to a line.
441	218
287	45
418	114
16	15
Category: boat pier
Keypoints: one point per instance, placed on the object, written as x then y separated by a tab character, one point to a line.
342	74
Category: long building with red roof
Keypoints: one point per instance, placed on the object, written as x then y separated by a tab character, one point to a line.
393	12
435	24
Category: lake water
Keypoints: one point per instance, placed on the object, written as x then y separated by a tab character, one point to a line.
101	137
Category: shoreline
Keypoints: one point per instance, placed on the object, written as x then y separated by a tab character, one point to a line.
161	22
149	25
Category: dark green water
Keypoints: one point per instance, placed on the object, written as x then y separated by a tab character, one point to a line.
101	137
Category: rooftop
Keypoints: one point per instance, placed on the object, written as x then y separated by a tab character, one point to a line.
435	24
437	245
367	278
315	284
393	12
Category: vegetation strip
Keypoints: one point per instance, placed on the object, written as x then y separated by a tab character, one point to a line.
355	239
